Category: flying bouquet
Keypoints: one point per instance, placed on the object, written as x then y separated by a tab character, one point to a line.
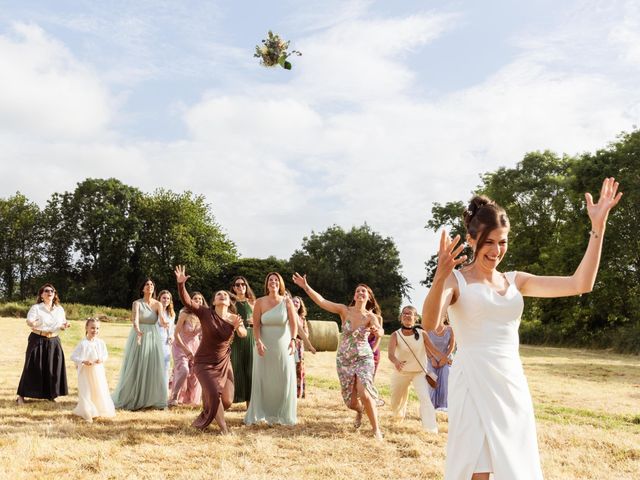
273	51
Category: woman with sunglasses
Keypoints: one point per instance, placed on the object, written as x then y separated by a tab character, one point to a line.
408	347
44	374
242	347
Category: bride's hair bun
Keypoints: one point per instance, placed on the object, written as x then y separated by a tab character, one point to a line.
482	216
475	204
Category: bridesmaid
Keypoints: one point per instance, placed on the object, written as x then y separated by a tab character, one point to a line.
44	374
354	360
443	340
212	361
142	380
166	333
273	386
302	338
242	347
186	390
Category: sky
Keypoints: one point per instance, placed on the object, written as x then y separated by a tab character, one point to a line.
392	106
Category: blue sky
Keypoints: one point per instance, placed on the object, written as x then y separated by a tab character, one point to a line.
393	105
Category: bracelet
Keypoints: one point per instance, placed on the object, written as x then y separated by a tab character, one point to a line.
293	339
594	233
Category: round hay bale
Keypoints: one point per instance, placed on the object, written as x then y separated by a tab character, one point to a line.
324	335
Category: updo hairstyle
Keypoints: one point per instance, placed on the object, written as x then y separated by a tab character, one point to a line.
481	217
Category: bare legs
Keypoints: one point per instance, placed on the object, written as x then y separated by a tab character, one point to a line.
226	399
480	476
362	400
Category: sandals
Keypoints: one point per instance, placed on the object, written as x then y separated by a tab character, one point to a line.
358	420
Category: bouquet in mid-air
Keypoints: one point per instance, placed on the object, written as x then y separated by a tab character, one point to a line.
274	51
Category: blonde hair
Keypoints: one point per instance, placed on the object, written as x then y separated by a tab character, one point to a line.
89	320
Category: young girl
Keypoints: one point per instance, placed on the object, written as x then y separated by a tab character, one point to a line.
89	356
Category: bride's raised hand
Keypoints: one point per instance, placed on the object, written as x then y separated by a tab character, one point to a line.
609	198
448	252
181	274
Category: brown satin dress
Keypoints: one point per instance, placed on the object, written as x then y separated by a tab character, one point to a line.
212	361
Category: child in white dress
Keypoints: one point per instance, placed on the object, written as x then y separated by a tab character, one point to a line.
94	399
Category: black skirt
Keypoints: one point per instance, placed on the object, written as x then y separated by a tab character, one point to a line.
44	374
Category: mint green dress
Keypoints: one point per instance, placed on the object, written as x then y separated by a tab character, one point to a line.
142	382
273	383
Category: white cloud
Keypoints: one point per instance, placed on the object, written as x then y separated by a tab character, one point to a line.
348	137
45	91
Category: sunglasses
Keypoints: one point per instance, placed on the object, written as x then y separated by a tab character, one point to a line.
48	290
240	284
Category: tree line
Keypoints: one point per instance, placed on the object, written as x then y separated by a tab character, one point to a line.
98	242
544	198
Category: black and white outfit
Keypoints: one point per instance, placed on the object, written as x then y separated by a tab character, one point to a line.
44	374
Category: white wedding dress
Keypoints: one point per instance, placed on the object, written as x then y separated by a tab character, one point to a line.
491	422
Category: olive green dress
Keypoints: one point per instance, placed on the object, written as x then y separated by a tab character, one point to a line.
242	356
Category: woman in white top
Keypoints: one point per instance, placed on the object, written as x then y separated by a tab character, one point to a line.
44	374
408	347
491	422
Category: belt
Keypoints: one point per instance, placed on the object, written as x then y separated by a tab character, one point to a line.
45	334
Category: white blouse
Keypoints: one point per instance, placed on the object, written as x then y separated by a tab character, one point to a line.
89	351
45	320
405	347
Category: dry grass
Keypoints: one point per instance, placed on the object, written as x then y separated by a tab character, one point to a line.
586	404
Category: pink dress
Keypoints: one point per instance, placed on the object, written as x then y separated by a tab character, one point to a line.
186	389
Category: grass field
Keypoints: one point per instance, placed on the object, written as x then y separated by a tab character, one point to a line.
587	404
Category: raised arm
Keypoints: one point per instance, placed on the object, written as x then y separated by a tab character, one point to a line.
584	277
181	279
443	289
337	308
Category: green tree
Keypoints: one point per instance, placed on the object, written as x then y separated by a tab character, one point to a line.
104	218
180	229
58	239
20	245
544	198
447	216
336	260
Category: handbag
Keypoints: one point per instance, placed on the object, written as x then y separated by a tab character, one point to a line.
432	378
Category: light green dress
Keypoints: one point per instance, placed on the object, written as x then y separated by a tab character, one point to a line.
273	383
142	382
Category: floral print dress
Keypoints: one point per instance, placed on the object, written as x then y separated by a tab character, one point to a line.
355	359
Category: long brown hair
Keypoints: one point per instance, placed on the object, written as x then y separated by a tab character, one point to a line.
481	217
169	308
56	299
143	283
372	303
248	293
302	310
